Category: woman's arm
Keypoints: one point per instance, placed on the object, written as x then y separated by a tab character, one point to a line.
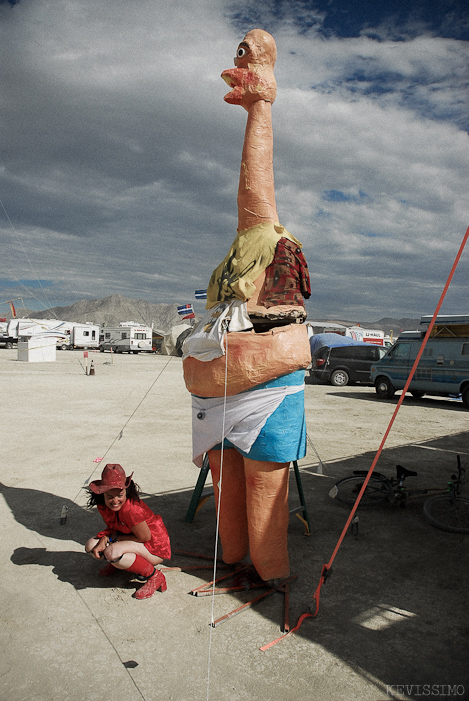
140	533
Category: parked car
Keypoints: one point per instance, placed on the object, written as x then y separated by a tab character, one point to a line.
342	361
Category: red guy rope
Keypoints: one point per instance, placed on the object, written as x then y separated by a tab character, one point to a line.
327	567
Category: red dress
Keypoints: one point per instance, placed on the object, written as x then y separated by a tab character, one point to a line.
130	514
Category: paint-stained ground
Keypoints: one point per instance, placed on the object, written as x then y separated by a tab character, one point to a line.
393	615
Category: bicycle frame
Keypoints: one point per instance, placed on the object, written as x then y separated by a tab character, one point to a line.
444	507
394	489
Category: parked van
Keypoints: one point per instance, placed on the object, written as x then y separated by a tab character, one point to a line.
341	360
443	369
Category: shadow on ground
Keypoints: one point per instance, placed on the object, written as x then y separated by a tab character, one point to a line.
395	607
440	403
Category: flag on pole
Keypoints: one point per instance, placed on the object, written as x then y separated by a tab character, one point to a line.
201	294
189	316
13	310
185	309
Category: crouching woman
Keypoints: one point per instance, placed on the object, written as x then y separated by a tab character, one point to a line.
135	539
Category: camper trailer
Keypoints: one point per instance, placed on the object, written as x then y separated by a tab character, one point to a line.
68	334
79	336
25	328
127	339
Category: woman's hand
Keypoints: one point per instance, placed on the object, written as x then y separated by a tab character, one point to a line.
98	549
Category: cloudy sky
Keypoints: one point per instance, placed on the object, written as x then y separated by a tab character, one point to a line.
119	159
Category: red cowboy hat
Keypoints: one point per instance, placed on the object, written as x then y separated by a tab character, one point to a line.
112	477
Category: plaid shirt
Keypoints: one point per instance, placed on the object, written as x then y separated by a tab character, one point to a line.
287	277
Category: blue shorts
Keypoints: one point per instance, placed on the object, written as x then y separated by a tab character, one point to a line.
283	436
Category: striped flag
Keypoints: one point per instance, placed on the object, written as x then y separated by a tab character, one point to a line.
185	309
201	294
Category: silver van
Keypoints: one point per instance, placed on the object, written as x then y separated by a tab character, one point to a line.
443	369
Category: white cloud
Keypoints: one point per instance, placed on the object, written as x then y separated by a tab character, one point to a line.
121	160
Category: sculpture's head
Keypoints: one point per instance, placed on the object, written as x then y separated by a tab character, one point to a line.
253	78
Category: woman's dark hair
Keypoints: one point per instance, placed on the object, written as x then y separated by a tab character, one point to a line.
132	492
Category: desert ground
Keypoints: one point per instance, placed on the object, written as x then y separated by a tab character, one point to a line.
393	616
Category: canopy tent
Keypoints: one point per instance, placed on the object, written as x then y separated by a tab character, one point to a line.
170	341
332	340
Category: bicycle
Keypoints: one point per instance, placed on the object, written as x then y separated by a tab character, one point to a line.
446	509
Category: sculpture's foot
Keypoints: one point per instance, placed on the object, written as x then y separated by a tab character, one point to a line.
277	583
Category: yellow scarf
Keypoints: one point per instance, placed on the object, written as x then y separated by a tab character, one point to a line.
251	253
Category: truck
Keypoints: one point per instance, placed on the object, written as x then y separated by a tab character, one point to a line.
358	333
129	338
443	368
3	333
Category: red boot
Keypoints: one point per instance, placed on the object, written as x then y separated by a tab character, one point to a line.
107	571
157	582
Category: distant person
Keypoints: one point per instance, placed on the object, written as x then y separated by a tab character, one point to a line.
135	539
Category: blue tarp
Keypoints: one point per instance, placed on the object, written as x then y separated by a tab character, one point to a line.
332	340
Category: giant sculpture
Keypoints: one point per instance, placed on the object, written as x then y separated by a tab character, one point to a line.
244	363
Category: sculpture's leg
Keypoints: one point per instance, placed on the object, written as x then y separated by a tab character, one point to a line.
233	525
268	516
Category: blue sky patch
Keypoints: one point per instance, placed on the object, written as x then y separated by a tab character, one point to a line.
352	18
339	196
33	284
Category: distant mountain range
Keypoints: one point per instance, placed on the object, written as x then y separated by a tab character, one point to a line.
386	324
110	311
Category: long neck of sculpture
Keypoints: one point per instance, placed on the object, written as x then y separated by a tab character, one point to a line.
256	193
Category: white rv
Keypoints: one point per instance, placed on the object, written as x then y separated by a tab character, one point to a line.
131	338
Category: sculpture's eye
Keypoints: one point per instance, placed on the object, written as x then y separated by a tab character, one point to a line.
241	52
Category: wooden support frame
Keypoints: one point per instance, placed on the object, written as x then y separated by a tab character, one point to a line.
198	499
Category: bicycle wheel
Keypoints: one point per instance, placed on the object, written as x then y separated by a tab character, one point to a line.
378	490
449	513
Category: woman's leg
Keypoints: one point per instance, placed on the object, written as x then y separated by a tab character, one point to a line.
268	516
135	562
232	518
122	554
